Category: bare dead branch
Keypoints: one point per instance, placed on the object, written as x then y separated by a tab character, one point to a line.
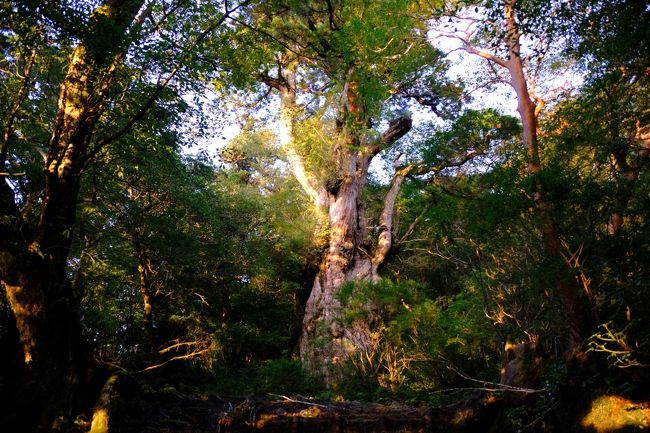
414	223
291	400
490	386
175	358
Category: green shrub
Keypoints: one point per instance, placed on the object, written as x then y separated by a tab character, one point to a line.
279	376
417	344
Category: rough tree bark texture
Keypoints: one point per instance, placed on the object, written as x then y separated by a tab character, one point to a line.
326	341
33	262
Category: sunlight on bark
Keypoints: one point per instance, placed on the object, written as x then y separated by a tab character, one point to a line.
23	310
100	421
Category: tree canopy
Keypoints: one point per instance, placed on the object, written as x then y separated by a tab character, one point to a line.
370	232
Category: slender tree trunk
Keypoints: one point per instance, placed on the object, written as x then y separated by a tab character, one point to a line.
145	273
628	174
567	290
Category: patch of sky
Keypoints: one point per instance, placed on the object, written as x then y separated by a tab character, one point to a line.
214	122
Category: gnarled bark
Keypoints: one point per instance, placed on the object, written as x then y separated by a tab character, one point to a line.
326	341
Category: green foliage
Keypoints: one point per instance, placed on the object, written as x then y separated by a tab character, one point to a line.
212	278
278	376
261	323
226	253
285	376
612	34
224	249
314	143
387	297
614	344
595	145
472	133
414	340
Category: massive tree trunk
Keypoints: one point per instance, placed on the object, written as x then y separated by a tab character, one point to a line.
326	340
33	262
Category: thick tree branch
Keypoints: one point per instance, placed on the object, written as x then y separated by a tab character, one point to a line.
307	181
468	47
331	16
491	57
457	161
396	129
385	241
285	84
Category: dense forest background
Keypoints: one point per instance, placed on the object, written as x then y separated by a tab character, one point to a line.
306	198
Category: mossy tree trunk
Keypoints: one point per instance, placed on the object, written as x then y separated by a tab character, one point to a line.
351	254
33	261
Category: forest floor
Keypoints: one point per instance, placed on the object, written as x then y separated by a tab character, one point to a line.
167	410
171	411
